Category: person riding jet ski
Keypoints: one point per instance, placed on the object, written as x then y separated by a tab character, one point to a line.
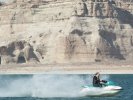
100	88
96	80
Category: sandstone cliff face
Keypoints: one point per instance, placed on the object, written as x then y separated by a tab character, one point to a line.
66	31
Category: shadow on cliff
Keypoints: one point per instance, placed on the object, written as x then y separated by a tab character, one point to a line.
0	60
77	31
110	39
1	4
125	16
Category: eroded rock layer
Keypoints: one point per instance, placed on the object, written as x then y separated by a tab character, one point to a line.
66	31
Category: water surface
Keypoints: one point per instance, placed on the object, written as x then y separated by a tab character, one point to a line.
58	87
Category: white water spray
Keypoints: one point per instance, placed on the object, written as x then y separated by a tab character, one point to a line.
45	85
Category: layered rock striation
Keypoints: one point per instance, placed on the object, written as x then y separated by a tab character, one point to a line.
66	31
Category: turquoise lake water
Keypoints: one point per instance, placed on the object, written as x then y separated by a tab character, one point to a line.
58	87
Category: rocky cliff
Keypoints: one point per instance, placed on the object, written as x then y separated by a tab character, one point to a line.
66	31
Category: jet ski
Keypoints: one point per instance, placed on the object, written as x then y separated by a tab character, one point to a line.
107	89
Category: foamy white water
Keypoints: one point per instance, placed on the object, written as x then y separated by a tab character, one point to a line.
44	85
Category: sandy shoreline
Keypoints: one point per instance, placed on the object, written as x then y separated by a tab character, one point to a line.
68	69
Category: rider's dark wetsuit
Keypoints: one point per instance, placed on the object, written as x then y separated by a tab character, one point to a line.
96	82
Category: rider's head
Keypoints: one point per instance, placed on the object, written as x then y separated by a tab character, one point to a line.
97	74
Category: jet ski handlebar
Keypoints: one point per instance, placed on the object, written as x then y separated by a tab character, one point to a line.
104	81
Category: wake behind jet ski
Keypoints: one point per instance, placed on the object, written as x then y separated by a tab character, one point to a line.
100	88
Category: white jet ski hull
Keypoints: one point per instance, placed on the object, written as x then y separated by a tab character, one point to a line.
100	91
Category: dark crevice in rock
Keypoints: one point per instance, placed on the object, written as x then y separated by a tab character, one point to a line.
83	38
78	32
114	48
118	53
108	36
1	4
32	54
18	52
131	41
70	46
0	60
125	16
21	59
85	10
3	50
115	52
